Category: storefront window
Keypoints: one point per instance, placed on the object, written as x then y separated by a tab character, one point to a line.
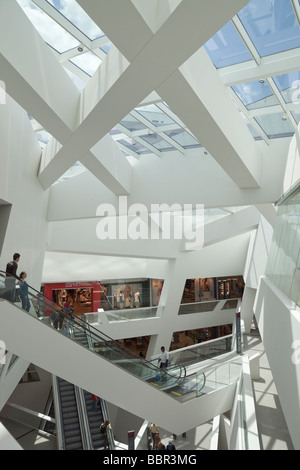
77	300
157	286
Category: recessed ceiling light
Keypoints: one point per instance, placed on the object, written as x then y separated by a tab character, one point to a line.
80	49
261	81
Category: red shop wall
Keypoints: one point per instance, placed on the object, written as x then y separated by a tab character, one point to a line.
94	286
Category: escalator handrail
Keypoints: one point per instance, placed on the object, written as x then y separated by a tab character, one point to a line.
57	308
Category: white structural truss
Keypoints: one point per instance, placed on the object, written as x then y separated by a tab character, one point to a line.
172	104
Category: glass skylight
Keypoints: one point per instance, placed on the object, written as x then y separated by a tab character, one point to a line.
71	10
227	47
155	115
271	25
132	124
52	33
255	95
134	146
275	125
106	48
183	138
80	84
296	115
88	62
289	86
157	142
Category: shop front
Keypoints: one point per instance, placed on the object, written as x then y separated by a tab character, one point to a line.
212	288
126	293
81	297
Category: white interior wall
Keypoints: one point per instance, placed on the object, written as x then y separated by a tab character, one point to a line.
292	172
19	161
191	178
225	258
279	324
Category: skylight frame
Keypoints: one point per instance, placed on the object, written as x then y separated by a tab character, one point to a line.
76	26
264	69
263	53
86	44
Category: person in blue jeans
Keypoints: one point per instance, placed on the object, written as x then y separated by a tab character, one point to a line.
24	291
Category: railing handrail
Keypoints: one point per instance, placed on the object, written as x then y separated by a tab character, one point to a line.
102	336
208	301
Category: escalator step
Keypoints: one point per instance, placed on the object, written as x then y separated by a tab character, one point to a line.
72	439
69	411
71	434
70	428
67	394
70	417
75	447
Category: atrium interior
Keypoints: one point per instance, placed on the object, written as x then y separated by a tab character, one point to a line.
150	181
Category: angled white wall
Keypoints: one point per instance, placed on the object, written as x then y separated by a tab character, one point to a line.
192	178
19	162
279	324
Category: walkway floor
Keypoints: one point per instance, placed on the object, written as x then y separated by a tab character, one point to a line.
274	434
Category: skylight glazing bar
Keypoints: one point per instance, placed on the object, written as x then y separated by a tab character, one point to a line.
76	16
65	56
148	146
171	115
143	120
296	8
277	64
128	151
278	95
246	38
172	142
63	22
76	71
86	43
248	116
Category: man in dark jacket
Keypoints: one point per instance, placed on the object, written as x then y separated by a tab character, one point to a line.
11	276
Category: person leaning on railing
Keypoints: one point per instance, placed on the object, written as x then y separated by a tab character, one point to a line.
24	291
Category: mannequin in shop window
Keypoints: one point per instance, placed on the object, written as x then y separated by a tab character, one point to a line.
121	299
137	299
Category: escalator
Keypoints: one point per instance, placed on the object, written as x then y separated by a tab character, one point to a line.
92	361
71	431
79	330
73	403
95	419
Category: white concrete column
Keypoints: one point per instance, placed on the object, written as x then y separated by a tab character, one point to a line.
170	300
247	307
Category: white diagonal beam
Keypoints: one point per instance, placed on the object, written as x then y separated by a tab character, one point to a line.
209	112
36	80
226	138
116	19
151	66
31	73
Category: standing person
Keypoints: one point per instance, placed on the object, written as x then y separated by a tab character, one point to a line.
24	292
11	276
104	430
171	446
157	441
153	430
95	402
161	446
163	358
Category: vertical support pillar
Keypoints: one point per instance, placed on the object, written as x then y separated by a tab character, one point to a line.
170	300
